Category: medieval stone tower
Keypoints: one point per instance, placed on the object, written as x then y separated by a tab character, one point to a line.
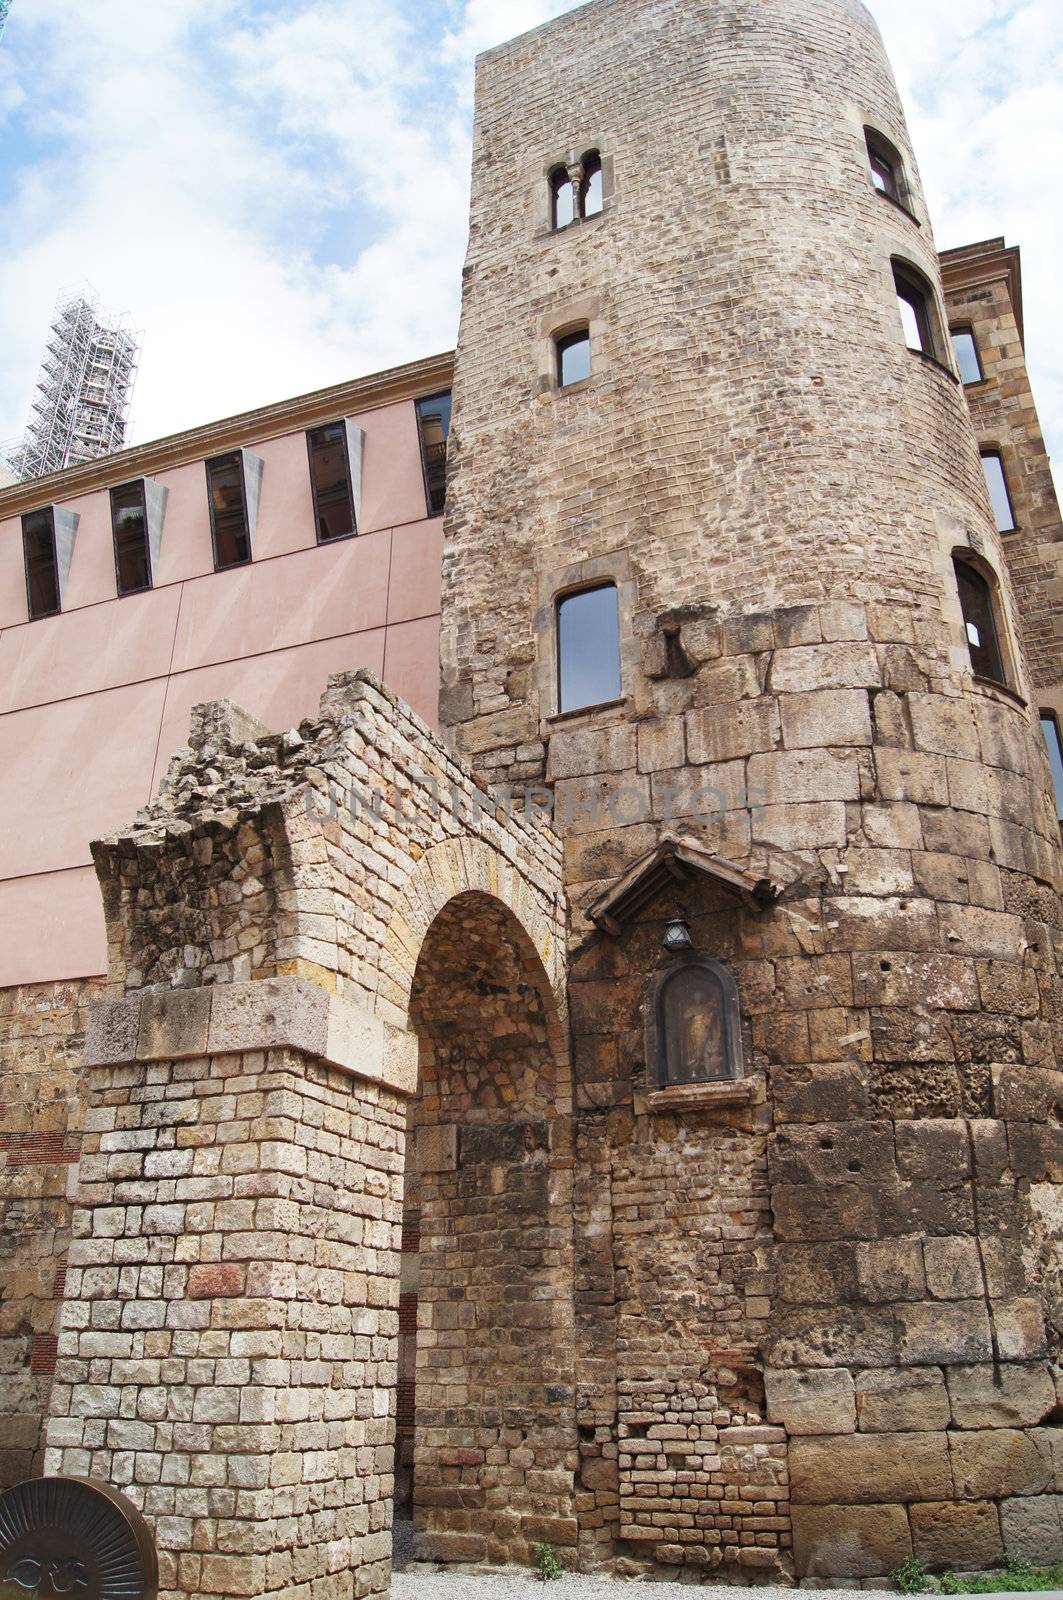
704	382
689	1012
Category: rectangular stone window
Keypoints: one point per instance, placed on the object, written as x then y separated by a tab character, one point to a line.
433	417
228	511
1054	746
129	526
573	357
914	307
997	484
330	481
967	358
42	567
588	648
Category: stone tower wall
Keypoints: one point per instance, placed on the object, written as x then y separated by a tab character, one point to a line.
776	485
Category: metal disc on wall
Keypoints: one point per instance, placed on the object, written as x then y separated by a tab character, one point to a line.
74	1536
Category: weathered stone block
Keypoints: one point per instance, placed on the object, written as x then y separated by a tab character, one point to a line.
824	666
112	1030
823	718
1004	1395
437	1148
845	1541
174	1024
901	1400
1033	1528
890	1269
581	752
1001	1461
790	777
858	1468
933	1147
944	725
954	1534
953	1268
820	1401
948	1332
270	1013
716	734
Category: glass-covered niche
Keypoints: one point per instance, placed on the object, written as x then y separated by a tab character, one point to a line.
697	1028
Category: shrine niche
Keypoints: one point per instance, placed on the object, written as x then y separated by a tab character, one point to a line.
697	1036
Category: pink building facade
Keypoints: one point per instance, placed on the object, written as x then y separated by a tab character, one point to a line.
95	699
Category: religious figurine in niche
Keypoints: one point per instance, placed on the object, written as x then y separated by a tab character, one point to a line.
697	1025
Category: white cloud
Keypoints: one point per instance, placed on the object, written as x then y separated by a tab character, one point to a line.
278	192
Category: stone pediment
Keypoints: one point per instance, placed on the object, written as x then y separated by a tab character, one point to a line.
675	859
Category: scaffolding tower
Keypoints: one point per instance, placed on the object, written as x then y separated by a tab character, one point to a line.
81	406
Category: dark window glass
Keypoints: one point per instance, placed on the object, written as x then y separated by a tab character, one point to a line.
42	574
228	511
591	190
966	355
563	198
1050	729
330	479
129	524
434	418
588	648
997	485
913	305
976	603
573	357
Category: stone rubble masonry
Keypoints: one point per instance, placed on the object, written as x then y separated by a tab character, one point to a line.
228	1352
864	1258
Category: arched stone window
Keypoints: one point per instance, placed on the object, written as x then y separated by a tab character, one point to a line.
562	198
982	619
887	167
591	194
918	311
697	1028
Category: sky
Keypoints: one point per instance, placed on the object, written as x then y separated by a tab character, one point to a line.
276	190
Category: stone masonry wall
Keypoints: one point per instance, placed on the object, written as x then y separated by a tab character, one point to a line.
41	1110
777	487
229	1352
1004	417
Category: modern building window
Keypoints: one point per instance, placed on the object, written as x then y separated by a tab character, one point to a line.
330	480
562	198
887	170
698	1027
997	484
1050	730
591	193
977	603
967	357
129	526
228	510
914	300
588	648
573	357
433	416
42	567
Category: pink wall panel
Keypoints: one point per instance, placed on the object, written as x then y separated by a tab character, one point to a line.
60	929
392	482
92	576
72	771
319	593
84	651
416	570
286	508
411	665
186	548
12	574
280	689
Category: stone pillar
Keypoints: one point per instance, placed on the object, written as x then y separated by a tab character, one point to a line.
229	1344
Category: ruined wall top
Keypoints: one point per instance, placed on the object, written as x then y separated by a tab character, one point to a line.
321	852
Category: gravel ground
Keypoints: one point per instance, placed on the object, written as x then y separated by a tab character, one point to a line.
423	1584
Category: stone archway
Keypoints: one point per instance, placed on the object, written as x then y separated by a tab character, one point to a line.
279	922
491	1167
